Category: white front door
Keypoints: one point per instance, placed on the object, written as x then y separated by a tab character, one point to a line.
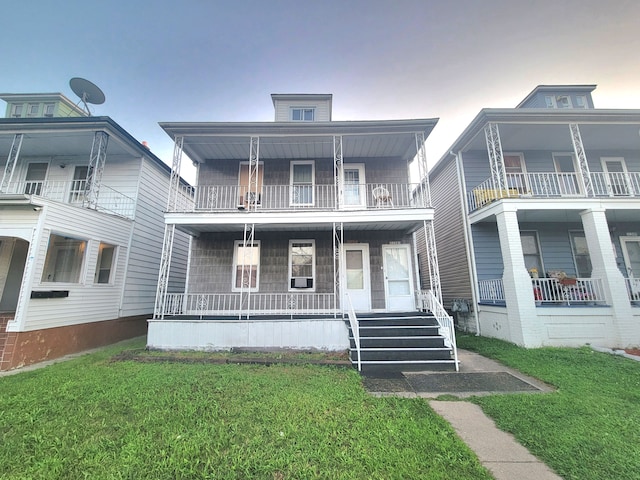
398	286
631	254
357	278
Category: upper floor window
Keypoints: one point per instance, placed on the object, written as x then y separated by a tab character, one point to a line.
558	101
49	109
16	110
32	110
303	114
64	259
581	101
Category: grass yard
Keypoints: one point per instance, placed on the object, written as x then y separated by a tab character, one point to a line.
97	419
589	428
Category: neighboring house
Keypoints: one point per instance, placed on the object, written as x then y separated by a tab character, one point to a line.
538	221
81	226
287	219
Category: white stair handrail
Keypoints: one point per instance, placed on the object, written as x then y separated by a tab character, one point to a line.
355	329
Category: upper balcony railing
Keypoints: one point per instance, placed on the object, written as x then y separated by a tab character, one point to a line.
555	185
215	198
73	193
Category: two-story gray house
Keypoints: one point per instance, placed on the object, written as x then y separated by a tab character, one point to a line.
81	228
293	223
538	221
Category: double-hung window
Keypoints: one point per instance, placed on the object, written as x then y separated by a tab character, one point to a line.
302	182
531	251
64	260
104	265
302	264
581	256
246	263
303	114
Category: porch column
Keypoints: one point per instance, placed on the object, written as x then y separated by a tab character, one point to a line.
578	149
496	159
524	328
432	256
12	159
425	189
96	168
174	180
625	331
254	166
338	168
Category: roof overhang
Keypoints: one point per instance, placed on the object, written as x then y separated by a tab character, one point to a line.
360	139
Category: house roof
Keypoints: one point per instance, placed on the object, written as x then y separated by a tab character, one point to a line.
300	140
42	97
536	129
557	89
70	136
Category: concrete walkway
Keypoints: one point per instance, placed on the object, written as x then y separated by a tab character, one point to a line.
498	451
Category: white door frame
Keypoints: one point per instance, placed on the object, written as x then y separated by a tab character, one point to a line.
625	176
361	300
408	302
362	190
634	277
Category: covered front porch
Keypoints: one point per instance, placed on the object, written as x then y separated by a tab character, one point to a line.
541	271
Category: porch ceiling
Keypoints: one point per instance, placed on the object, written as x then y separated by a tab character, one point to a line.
391	220
519	137
290	140
58	143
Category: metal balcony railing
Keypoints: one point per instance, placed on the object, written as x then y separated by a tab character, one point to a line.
72	193
213	198
555	185
549	291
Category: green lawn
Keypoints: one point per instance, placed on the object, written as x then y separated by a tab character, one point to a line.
97	419
590	427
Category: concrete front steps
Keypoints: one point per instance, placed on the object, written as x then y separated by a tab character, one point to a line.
400	342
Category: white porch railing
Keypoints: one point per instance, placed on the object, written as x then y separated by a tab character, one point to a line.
633	289
205	198
289	303
491	291
570	291
355	329
428	301
72	193
554	185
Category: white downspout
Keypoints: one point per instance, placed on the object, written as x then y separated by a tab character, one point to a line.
468	238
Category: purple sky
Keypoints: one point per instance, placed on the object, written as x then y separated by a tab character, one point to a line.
206	60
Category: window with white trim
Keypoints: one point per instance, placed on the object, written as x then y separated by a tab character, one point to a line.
49	108
531	251
64	260
581	101
581	257
246	266
558	101
302	264
303	114
104	265
302	182
16	110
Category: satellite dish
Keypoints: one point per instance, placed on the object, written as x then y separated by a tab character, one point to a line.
87	91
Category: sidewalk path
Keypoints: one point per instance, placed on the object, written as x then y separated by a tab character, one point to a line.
498	451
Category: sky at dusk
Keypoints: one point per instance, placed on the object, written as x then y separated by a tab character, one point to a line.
208	60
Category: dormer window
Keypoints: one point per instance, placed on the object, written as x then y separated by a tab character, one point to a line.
16	110
48	109
303	114
581	101
558	101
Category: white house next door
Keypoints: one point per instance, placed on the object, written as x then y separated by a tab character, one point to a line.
398	286
357	277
